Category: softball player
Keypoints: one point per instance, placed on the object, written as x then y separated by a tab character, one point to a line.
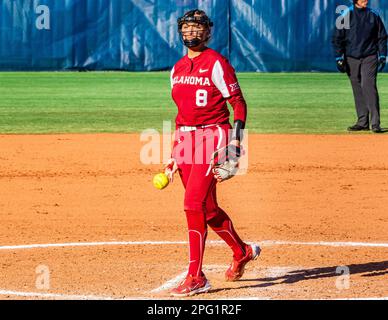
202	82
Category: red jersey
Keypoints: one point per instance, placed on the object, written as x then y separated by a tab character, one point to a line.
201	87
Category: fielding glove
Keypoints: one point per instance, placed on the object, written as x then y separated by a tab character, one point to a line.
225	162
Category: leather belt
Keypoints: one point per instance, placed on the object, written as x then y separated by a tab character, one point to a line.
193	128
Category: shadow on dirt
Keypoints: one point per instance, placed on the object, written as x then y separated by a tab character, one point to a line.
366	269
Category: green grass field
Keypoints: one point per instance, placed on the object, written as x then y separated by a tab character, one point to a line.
72	102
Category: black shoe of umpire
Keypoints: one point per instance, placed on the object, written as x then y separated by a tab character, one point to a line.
377	130
357	127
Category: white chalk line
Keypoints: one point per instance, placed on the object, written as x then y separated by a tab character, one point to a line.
266	243
94	297
90	244
166	286
169	284
380	298
63	296
325	243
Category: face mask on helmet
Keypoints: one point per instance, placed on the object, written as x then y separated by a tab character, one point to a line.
354	2
195	17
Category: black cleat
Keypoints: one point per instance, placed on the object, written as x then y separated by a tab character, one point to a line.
357	127
378	130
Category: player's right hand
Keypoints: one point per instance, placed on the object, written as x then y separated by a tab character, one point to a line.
170	169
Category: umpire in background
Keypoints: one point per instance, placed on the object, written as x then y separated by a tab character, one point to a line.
361	51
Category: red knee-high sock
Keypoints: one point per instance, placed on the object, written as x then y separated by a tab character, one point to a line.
223	226
197	237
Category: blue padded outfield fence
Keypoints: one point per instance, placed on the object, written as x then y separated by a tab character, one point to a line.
141	35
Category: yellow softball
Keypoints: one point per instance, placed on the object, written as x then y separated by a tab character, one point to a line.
160	181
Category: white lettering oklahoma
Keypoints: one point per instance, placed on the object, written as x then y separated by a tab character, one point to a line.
197	81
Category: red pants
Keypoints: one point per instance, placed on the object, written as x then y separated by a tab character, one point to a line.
193	151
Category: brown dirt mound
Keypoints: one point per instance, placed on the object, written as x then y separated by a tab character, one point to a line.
86	188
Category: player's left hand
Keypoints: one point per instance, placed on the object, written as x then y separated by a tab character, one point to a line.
225	161
382	63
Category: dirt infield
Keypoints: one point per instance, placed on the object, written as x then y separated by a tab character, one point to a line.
324	197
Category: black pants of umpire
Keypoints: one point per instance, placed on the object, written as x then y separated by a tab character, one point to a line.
363	77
